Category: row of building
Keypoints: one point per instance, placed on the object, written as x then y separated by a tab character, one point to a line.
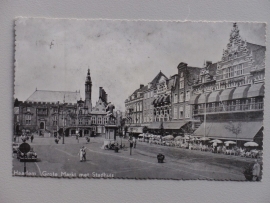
221	100
49	113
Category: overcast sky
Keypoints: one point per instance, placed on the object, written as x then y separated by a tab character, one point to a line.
54	54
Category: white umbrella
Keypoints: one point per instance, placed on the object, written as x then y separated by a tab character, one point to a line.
216	141
251	144
178	138
205	138
168	137
229	142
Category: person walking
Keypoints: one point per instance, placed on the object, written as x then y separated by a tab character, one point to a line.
81	154
32	137
134	142
84	153
256	170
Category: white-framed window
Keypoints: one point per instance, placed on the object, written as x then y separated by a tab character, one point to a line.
182	83
55	110
86	121
28	119
181	112
175	98
175	112
99	121
187	111
73	121
55	120
17	118
28	109
105	120
181	97
187	95
94	120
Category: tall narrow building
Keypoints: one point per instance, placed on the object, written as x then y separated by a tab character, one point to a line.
88	91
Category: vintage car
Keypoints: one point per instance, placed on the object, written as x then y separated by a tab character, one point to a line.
15	147
30	156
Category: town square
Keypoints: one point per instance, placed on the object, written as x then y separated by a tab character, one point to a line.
157	100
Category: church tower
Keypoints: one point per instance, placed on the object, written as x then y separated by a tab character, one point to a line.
88	91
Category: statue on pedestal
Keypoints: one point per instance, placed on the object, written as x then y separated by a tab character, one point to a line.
109	109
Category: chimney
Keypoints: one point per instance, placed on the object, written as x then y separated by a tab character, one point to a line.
141	86
208	63
100	92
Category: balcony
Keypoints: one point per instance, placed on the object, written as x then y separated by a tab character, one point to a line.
231	108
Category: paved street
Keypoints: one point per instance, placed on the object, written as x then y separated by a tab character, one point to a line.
63	160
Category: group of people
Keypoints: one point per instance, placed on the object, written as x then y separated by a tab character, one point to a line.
24	137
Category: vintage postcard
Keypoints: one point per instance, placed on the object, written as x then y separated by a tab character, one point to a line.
138	99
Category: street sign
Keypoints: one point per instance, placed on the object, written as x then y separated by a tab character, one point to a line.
24	148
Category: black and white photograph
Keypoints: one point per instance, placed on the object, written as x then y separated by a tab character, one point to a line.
138	99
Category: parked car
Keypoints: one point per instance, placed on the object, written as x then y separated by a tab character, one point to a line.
30	156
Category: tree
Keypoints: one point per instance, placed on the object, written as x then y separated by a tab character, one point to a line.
236	129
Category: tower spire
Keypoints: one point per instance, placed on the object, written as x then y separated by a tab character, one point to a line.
88	91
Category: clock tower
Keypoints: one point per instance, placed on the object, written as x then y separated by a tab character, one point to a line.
88	91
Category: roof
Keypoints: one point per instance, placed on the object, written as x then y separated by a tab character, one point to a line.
16	110
258	53
156	79
54	96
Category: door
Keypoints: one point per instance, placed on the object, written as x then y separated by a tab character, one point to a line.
42	126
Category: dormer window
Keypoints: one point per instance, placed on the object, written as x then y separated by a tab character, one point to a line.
28	109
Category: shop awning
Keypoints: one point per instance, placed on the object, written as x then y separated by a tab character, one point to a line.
173	125
203	98
167	99
160	100
194	99
226	94
240	92
214	96
256	90
135	129
155	101
219	130
154	125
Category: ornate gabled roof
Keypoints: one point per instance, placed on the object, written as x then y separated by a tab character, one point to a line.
156	79
54	96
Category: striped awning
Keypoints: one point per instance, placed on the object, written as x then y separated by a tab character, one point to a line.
240	92
203	98
167	99
221	130
173	125
256	90
194	99
226	94
214	96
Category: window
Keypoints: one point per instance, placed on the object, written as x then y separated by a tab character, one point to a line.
181	74
28	119
80	121
181	112
28	109
175	98
94	120
55	120
17	118
55	110
73	121
86	121
181	97
175	112
181	85
187	111
187	96
152	93
105	120
99	121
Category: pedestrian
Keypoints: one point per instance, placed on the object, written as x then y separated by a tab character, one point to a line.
81	154
134	142
256	170
32	137
84	153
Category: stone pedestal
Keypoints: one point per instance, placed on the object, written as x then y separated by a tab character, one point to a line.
110	133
